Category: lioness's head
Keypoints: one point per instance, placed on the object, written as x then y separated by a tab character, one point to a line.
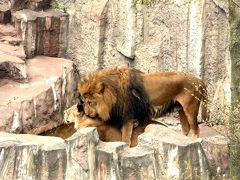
98	98
75	114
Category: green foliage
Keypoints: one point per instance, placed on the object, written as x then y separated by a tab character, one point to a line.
234	127
61	5
234	21
235	121
235	159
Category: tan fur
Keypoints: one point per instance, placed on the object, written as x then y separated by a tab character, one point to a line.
182	87
160	87
104	90
98	97
106	132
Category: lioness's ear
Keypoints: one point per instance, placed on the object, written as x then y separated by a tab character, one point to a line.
100	87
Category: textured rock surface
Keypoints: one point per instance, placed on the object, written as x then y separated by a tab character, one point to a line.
107	160
90	38
218	154
38	104
43	33
139	163
12	67
125	27
81	151
35	5
10	44
32	157
190	36
17	51
180	156
83	156
5	13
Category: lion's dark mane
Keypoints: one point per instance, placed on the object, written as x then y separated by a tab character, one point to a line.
132	100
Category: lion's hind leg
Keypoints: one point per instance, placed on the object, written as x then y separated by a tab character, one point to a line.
184	122
191	113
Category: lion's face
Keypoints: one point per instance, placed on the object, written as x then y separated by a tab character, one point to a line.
98	100
75	114
72	113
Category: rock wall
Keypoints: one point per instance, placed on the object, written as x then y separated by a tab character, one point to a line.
38	105
43	33
34	90
191	36
161	154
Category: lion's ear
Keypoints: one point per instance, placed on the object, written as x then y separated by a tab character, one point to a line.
100	87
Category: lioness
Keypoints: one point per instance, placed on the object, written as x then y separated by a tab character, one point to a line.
121	95
108	133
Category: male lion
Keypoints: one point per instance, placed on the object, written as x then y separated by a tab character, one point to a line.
122	95
116	96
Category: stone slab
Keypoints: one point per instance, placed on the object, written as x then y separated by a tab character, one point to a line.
37	105
43	32
5	13
12	67
17	51
36	5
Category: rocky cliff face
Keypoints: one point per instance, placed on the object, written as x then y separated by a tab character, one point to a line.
191	36
161	154
35	89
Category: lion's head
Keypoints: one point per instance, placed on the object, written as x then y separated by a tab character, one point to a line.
98	95
76	115
72	113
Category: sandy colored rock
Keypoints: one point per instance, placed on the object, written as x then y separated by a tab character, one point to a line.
6	118
107	159
139	163
17	51
8	35
5	13
84	156
36	5
176	153
38	104
12	67
43	32
218	154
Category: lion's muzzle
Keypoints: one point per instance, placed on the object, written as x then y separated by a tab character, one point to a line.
65	116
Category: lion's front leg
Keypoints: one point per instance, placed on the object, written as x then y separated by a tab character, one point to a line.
127	131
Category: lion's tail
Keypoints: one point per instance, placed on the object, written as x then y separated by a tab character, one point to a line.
169	107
